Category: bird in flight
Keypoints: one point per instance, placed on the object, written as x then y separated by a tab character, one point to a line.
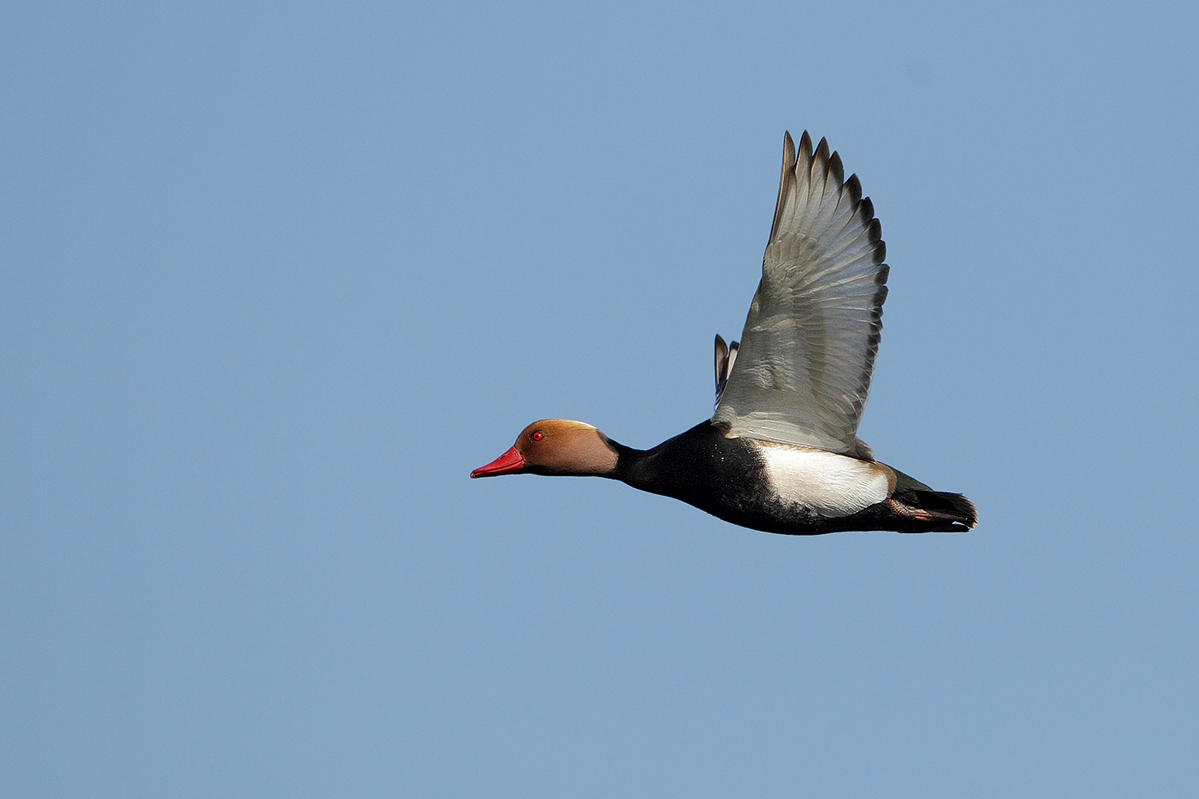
781	452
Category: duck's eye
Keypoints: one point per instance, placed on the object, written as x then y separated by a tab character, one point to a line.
537	435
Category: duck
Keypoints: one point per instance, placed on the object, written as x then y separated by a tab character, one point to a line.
781	453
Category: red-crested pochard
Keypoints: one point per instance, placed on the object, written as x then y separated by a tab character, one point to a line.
781	452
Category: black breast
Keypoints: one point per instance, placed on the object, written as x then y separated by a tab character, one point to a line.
702	467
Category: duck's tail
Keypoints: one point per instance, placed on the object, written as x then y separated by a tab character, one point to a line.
954	511
944	503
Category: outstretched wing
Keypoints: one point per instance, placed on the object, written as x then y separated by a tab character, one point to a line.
807	353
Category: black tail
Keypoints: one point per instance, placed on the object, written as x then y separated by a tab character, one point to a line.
951	508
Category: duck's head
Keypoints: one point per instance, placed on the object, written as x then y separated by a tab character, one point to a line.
555	446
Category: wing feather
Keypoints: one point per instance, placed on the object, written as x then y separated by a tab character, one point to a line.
803	368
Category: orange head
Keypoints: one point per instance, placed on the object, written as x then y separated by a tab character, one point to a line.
555	446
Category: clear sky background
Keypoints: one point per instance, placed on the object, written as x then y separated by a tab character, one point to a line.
274	279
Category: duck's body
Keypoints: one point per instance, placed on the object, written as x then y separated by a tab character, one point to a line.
781	453
782	488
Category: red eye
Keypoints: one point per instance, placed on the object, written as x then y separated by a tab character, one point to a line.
537	435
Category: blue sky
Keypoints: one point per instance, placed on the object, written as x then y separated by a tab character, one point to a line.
276	278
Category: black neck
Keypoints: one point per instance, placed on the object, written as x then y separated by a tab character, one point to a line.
679	467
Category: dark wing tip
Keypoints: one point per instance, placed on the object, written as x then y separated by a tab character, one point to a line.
805	146
874	230
836	169
822	150
854	187
866	209
726	354
787	178
819	168
722	356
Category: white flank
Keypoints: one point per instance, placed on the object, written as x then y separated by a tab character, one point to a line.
825	483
